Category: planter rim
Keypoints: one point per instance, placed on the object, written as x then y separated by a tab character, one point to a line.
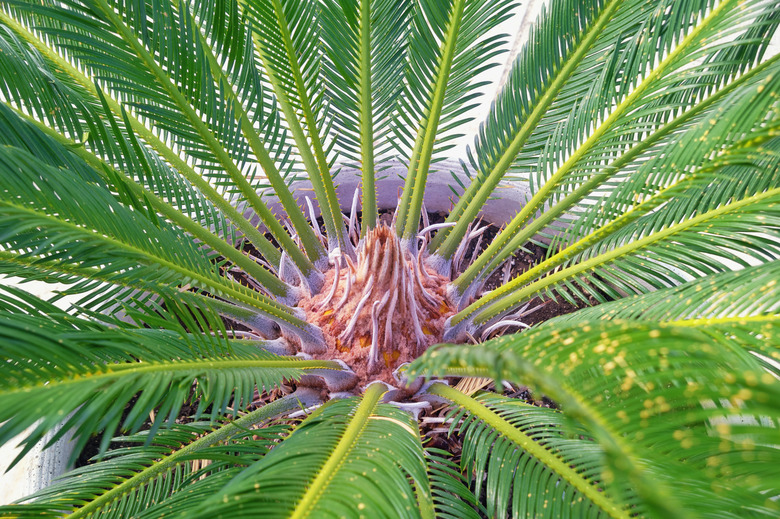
443	186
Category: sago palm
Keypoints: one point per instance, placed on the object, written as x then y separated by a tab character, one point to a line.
148	153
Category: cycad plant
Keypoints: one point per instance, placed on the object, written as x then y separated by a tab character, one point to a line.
148	153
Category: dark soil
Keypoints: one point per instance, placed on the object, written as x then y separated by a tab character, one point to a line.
92	447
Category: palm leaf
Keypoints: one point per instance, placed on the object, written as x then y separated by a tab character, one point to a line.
139	255
656	158
367	457
68	215
191	501
303	230
642	236
21	132
52	201
365	46
553	465
742	305
564	160
451	496
536	78
63	79
448	48
748	293
286	35
86	373
99	296
132	479
656	152
662	401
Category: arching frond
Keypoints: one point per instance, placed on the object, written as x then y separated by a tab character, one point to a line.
636	251
448	48
131	479
744	305
691	138
286	34
352	455
136	68
82	229
683	417
552	467
80	105
86	373
540	72
748	293
172	197
569	154
79	489
451	496
366	45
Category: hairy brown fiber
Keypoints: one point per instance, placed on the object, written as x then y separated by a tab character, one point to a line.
382	310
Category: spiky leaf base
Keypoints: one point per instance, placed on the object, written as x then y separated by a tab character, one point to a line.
381	311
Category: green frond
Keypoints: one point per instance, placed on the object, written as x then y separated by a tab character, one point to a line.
641	248
93	290
657	158
688	32
685	418
73	210
77	225
173	108
196	215
83	102
184	100
86	373
366	44
742	305
79	489
352	457
308	239
190	502
748	293
174	311
448	47
108	293
104	296
129	480
537	76
286	34
532	461
569	153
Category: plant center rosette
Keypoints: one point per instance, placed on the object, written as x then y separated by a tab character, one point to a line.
381	309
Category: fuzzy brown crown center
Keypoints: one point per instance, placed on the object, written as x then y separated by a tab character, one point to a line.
381	311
